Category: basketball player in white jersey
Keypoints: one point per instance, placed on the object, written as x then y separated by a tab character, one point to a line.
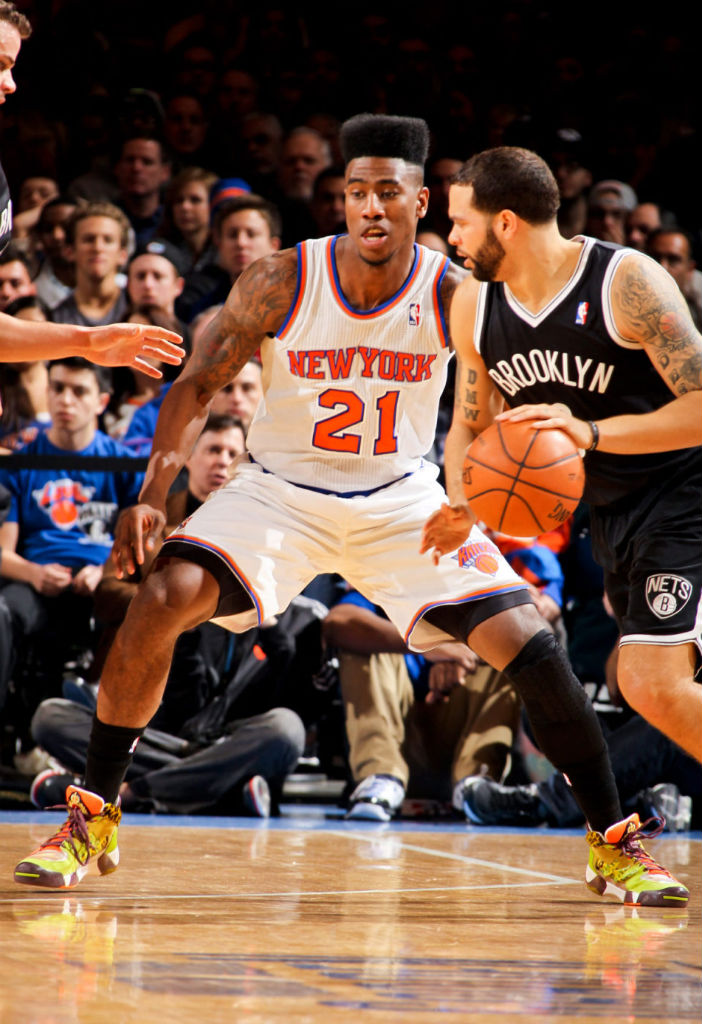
28	341
354	347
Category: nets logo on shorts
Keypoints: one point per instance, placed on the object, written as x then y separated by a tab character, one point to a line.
666	595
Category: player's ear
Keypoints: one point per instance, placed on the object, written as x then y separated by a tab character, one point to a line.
505	224
422	202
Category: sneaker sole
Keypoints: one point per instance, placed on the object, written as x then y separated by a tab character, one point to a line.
27	873
365	811
675	896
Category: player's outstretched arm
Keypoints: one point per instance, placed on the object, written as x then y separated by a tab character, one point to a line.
114	345
256	307
476	402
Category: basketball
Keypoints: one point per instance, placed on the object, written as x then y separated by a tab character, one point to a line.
521	481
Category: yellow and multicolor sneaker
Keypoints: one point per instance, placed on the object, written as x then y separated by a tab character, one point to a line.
619	866
90	833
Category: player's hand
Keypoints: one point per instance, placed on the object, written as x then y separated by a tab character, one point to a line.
456	652
549	416
138	530
86	580
444	676
445	530
51	579
130	344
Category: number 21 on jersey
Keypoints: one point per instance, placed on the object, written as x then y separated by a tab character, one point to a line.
333	434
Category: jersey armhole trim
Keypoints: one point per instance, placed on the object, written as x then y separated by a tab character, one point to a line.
302	262
439	311
607	311
480	315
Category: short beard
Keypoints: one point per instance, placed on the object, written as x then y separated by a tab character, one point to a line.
488	259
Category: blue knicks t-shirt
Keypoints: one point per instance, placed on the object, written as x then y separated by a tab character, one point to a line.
68	516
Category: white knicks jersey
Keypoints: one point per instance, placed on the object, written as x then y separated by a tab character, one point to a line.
350	398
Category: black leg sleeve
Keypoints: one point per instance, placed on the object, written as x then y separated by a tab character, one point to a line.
566	727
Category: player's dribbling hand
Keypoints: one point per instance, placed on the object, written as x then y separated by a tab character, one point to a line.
138	530
549	417
445	530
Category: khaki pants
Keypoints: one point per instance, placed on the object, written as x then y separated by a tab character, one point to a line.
429	747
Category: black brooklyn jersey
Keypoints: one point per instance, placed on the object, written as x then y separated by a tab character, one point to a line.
5	211
570	352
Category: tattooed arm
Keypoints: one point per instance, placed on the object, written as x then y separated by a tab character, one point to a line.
650	310
255	307
476	403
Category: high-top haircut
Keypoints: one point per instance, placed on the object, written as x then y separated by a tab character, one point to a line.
401	138
511	178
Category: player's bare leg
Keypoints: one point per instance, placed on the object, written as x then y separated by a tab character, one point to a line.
659	683
176	596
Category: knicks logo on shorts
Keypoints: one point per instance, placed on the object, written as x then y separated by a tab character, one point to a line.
667	595
478	556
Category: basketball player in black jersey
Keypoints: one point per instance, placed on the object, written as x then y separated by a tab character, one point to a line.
27	341
596	340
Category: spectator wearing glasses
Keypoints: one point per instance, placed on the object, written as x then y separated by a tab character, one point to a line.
609	203
672	248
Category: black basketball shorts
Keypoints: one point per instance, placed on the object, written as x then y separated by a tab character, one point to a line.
652	561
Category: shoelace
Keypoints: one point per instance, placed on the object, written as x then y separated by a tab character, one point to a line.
631	844
74	827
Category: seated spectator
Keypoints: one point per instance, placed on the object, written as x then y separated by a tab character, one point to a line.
197	755
672	248
416	725
261	141
57	275
155	276
59	528
643	220
609	204
241	396
23	387
570	159
304	154
186	217
97	240
142	171
327	203
34	193
244	229
132	389
15	275
186	130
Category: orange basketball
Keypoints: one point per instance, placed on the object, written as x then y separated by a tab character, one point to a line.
521	481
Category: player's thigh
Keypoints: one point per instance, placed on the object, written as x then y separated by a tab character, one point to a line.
499	639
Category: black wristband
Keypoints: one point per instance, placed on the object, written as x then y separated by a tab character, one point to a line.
595	435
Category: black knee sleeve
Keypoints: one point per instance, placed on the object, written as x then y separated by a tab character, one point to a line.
565	725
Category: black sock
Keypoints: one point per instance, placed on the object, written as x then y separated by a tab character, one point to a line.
109	755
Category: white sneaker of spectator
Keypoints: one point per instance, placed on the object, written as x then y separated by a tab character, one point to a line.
376	798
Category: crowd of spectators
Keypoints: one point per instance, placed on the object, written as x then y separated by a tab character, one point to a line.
176	151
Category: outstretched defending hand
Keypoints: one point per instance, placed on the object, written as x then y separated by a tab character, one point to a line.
446	529
138	530
129	344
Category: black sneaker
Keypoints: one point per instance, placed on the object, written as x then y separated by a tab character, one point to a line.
485	802
48	789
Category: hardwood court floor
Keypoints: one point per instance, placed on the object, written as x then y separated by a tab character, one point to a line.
307	919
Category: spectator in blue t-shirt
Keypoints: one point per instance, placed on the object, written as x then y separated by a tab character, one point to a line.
59	528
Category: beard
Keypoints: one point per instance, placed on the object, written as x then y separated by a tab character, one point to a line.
488	259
